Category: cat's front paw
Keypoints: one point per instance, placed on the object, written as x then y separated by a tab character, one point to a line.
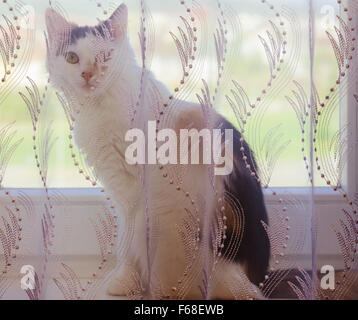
233	284
117	287
128	284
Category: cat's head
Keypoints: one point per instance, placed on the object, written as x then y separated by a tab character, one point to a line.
85	59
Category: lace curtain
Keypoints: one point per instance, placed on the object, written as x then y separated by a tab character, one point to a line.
282	71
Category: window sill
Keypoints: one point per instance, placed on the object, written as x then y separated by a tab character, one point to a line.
88	196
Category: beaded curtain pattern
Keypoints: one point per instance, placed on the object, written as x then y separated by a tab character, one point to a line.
282	71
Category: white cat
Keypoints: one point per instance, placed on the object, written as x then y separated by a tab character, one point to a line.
96	69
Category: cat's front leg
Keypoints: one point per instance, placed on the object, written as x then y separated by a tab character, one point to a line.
130	281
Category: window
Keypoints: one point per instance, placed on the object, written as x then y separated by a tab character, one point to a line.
248	66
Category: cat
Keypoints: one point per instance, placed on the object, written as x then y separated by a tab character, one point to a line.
96	68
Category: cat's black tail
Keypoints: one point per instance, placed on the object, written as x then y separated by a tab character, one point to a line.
254	251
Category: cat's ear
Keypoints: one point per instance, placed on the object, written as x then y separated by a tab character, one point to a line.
58	28
119	22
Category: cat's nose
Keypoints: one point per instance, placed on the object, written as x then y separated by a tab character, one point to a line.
87	75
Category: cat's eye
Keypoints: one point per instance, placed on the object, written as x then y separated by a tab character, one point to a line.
72	58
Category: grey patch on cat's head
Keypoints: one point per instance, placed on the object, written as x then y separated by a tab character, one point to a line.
82	32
